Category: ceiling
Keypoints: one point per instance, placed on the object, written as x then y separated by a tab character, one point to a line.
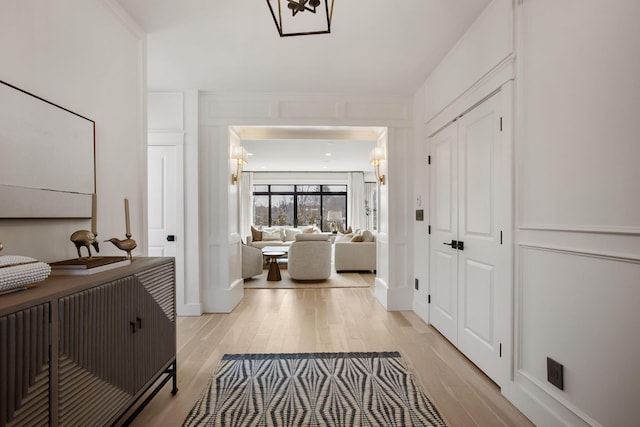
318	155
305	149
375	48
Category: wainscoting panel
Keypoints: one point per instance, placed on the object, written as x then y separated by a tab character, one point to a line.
216	108
383	110
308	110
580	309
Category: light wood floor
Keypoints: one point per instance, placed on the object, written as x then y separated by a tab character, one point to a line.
332	320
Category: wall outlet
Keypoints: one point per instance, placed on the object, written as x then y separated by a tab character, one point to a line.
554	373
417	285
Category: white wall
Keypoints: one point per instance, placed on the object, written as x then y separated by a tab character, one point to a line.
81	55
487	43
577	214
420	200
578	210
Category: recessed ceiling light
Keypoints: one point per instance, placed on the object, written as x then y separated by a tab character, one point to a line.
263	167
249	154
327	154
325	167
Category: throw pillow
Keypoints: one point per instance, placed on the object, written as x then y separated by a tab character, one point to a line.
367	236
340	238
357	238
311	230
343	231
256	235
290	234
271	235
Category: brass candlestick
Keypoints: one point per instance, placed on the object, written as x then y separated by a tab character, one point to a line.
128	244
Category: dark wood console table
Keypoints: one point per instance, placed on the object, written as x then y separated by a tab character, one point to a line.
82	350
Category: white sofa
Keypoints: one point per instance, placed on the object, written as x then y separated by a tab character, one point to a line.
355	256
310	257
355	252
279	235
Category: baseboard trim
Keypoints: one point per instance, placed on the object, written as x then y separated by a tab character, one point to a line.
421	307
225	300
381	292
393	299
541	408
189	309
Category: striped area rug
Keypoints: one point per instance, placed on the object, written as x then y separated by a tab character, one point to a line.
313	389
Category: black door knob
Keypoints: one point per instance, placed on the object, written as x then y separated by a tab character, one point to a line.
453	244
171	238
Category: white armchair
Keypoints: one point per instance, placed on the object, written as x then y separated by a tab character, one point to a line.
310	257
251	261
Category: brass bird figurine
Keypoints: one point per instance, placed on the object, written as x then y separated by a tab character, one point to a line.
126	245
85	238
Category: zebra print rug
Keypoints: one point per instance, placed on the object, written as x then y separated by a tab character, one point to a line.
313	389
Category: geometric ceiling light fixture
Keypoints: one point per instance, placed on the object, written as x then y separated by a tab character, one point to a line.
301	17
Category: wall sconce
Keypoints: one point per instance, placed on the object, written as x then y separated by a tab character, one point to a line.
239	155
376	157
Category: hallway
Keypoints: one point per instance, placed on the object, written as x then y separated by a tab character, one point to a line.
329	320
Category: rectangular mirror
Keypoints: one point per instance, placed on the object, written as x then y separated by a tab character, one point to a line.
47	158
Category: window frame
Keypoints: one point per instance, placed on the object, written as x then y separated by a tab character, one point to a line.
295	193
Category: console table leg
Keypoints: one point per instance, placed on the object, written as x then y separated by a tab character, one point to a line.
171	371
174	390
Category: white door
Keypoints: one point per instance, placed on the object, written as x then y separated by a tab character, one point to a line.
443	272
481	211
468	208
161	173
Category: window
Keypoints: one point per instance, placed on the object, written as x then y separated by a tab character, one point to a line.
298	205
282	209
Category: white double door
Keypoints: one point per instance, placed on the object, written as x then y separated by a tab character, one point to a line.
469	272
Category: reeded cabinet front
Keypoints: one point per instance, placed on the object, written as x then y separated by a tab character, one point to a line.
95	353
24	367
113	339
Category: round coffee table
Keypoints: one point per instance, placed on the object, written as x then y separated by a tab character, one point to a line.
274	268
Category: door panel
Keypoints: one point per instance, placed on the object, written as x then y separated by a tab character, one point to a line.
478	309
444	211
444	179
477	163
479	172
161	199
444	291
